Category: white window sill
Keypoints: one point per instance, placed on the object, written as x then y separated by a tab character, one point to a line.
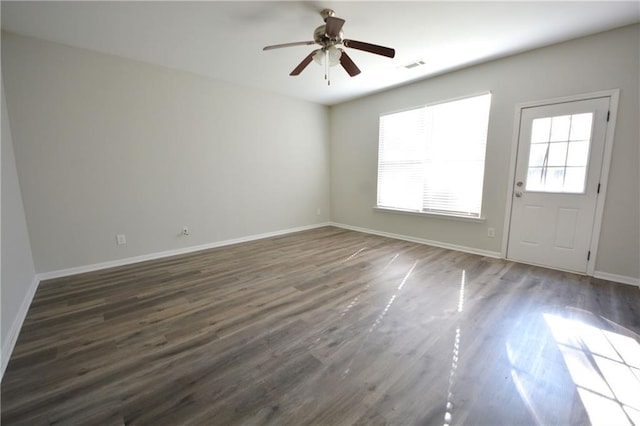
429	214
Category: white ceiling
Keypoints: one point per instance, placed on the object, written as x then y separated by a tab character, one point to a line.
224	40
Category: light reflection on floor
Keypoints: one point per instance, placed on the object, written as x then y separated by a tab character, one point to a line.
380	317
392	298
604	367
521	387
448	416
354	254
354	301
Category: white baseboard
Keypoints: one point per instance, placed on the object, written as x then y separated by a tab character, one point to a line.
472	250
617	278
10	342
152	256
14	331
622	279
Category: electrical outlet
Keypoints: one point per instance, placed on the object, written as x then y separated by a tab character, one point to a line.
318	212
491	232
121	239
185	230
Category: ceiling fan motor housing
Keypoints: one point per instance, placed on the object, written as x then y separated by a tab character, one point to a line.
320	37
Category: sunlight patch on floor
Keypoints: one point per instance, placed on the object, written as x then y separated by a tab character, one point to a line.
603	366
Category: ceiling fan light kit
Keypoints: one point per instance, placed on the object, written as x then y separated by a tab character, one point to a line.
329	37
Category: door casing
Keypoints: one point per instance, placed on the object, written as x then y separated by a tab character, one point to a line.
614	95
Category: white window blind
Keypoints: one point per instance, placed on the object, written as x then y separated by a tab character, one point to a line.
431	159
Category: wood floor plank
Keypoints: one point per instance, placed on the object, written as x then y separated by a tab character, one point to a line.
328	327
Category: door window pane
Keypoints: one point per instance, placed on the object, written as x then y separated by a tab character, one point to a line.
554	179
581	127
535	179
559	153
560	128
537	154
578	153
540	130
574	179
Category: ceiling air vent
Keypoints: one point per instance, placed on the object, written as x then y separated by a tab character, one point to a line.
414	64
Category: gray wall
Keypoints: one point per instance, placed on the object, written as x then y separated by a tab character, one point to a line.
106	145
604	61
18	273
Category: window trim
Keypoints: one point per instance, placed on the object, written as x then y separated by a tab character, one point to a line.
442	215
434	103
450	216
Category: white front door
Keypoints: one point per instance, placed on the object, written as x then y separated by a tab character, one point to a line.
558	165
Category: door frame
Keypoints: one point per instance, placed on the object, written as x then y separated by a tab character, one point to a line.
613	95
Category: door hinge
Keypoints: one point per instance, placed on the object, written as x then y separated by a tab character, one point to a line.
598	191
589	255
608	115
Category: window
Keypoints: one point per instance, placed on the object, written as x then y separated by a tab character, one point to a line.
559	153
431	159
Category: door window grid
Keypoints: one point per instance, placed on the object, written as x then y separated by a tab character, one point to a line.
559	153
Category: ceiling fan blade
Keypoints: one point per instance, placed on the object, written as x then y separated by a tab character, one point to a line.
333	26
306	61
296	43
349	66
371	48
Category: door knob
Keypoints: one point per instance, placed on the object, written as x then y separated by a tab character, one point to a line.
518	194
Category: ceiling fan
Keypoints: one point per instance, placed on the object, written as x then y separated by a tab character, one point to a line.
329	36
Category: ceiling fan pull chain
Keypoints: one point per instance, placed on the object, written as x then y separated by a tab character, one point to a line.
327	67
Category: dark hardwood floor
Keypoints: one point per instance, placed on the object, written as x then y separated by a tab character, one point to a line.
329	327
